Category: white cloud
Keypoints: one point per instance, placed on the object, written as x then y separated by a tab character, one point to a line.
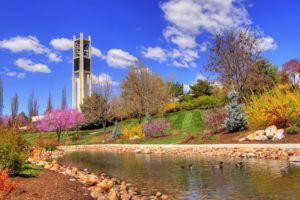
181	39
62	44
23	43
267	43
18	75
184	58
204	46
200	77
28	43
186	87
120	59
102	79
30	66
53	57
97	53
155	53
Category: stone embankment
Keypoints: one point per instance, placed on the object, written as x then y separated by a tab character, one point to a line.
268	151
101	187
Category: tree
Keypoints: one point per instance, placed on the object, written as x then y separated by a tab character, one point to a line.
263	75
14	107
49	105
176	89
144	92
202	87
232	56
1	98
22	119
236	119
119	109
290	71
32	106
96	110
61	120
63	98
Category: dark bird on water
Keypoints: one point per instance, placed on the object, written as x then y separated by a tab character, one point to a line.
187	167
239	164
218	166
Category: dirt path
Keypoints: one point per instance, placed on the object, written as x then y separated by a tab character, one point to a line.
49	186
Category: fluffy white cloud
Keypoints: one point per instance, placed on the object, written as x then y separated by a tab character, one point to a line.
28	43
200	77
181	39
204	46
23	43
62	44
103	78
267	43
120	59
186	87
30	66
155	53
184	58
7	72
97	53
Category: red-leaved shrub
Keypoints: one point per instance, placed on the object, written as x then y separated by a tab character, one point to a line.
6	187
156	128
214	118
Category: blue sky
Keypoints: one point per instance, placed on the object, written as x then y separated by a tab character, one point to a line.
170	37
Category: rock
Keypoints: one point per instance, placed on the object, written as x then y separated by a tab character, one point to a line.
74	171
261	137
113	194
72	179
251	137
291	152
55	167
103	185
294	158
91	180
158	194
96	191
242	139
279	135
135	138
125	196
137	151
102	197
47	166
147	151
164	197
271	131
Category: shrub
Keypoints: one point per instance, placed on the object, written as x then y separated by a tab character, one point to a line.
6	188
214	118
13	149
297	122
129	131
202	102
116	132
171	107
292	130
156	128
236	119
280	107
49	144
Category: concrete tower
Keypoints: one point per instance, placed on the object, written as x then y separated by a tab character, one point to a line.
82	70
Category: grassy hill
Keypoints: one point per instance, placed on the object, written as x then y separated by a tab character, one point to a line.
182	123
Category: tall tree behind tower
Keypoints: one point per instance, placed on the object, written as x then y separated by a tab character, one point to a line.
32	106
14	107
63	98
49	104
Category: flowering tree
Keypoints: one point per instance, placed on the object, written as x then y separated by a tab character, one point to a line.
291	71
61	120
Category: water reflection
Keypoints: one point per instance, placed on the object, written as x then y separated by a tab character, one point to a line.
258	179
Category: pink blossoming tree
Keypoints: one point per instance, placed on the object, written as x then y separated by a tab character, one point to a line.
61	120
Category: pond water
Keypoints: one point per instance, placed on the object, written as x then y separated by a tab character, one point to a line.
259	179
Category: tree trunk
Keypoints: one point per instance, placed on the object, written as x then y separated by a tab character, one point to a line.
58	133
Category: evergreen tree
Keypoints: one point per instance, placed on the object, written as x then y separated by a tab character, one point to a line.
236	119
49	105
63	98
202	87
32	106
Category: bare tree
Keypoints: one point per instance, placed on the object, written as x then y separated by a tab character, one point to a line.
144	92
291	72
64	98
232	56
14	107
32	106
49	105
119	108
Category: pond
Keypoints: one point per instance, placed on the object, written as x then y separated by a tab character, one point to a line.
258	179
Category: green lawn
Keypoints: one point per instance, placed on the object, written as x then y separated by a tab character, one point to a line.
182	123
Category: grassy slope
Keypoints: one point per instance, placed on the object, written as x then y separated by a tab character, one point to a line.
181	124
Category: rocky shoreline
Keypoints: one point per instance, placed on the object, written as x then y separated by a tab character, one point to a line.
101	187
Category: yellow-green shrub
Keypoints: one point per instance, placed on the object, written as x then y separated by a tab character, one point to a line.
170	107
280	107
129	131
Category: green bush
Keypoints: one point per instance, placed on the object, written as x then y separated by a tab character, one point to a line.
292	130
297	122
202	102
13	149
